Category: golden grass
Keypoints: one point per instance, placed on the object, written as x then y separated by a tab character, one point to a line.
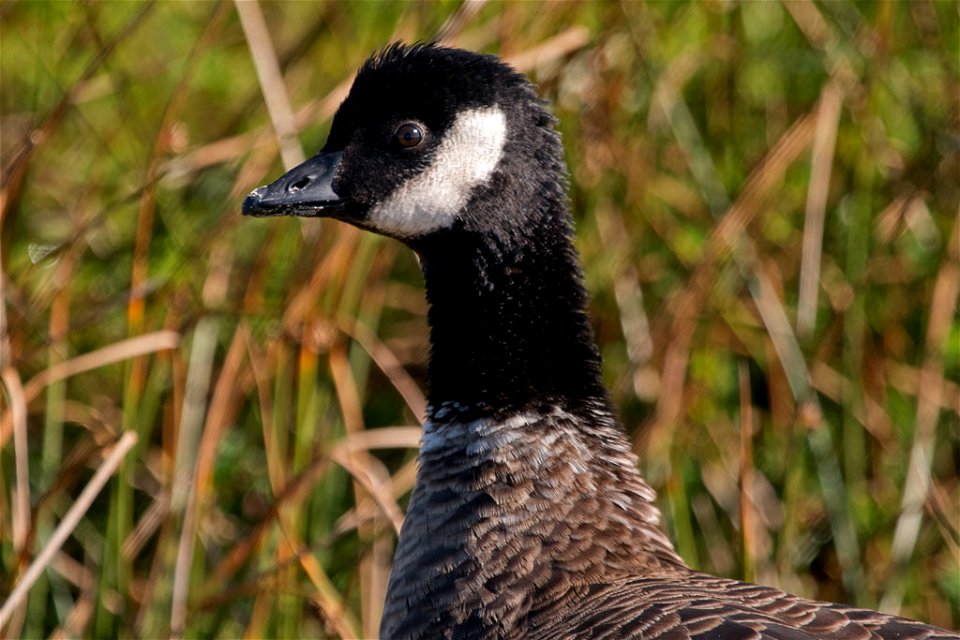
767	204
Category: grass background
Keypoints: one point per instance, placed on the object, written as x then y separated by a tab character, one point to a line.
767	205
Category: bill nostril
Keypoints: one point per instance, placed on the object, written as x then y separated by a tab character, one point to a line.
299	184
302	183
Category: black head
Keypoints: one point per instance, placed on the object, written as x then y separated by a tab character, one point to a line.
425	131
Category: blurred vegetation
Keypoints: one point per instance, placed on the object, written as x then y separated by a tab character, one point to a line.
767	205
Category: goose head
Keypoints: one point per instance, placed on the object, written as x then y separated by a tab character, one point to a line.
430	140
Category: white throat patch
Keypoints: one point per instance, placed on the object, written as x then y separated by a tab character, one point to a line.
465	159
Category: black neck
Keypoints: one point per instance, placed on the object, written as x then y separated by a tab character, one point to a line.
509	328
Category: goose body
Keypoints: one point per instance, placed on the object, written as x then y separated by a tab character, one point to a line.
529	518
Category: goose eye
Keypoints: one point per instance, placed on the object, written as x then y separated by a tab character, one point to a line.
409	135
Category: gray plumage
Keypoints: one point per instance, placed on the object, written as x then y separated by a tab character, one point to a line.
535	527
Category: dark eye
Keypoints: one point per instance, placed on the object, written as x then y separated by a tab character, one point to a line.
409	135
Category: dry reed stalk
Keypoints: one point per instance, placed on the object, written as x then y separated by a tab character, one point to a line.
821	163
221	412
182	490
67	524
238	555
784	340
51	454
671	106
258	162
832	384
808	18
294	491
762	182
374	483
400	483
20	513
559	46
748	515
75	573
685	307
373	477
213	153
325	596
821	35
165	340
360	466
944	508
260	613
336	261
271	81
389	364
80	615
381	438
628	294
78	618
906	379
889	220
810	415
453	25
6	354
17	399
264	371
155	515
929	399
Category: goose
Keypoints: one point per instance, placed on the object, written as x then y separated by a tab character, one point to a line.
529	518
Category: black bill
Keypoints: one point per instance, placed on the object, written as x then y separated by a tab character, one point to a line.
305	190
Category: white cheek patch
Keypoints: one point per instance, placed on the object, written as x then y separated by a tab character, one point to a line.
465	159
